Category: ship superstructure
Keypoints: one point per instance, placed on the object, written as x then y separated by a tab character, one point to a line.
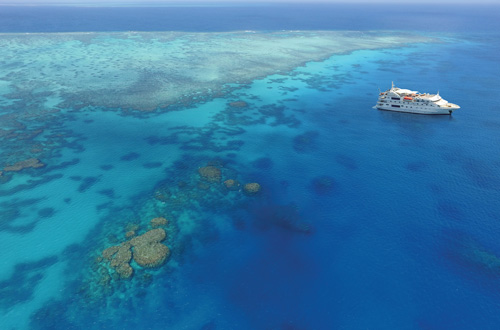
405	100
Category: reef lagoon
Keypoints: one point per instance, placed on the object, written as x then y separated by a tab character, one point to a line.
240	179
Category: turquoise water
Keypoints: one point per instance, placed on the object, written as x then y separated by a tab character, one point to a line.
366	219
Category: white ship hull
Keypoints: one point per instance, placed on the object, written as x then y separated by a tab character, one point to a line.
423	111
405	100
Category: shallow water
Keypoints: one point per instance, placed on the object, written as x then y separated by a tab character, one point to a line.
366	219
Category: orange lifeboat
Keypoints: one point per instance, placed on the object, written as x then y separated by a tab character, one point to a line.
408	98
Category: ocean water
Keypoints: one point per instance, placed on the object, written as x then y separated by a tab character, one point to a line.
365	219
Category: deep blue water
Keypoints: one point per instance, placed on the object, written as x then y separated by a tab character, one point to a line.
367	219
438	17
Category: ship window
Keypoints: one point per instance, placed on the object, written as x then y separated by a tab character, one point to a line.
396	106
395	98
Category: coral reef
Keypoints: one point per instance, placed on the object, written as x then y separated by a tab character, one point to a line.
306	142
263	163
158	222
232	184
143	78
282	216
151	255
152	236
148	251
210	173
27	163
238	104
251	188
323	185
119	257
130	234
134	246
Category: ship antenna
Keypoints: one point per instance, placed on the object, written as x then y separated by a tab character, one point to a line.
392	84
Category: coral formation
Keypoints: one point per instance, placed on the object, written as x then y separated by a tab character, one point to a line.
232	184
263	163
130	234
132	227
283	216
27	163
119	257
203	185
306	142
139	245
143	80
122	255
323	185
210	173
148	251
151	255
149	237
158	222
251	188
238	104
109	252
124	270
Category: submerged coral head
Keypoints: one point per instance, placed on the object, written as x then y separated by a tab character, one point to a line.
210	173
323	185
252	188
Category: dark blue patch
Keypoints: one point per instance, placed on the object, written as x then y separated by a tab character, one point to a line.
289	325
46	212
106	167
323	185
450	210
416	166
181	165
306	142
346	161
278	113
209	326
19	229
152	165
471	259
130	156
108	193
286	217
153	140
19	287
104	206
239	223
31	184
64	165
51	316
264	163
11	211
482	174
87	183
9	214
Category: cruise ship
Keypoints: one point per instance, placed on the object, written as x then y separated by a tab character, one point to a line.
405	100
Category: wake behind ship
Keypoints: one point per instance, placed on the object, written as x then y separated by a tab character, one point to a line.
405	100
